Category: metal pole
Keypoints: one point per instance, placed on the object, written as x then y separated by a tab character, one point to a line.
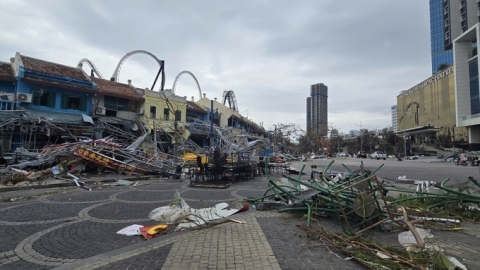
154	141
404	141
275	140
338	144
211	124
404	138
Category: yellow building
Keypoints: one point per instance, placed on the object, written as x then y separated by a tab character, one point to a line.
225	117
426	112
156	111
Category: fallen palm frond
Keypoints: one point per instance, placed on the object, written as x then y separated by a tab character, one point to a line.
374	255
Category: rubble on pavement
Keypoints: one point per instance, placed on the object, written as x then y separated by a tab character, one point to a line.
358	201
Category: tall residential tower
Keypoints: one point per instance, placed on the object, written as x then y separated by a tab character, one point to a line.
317	108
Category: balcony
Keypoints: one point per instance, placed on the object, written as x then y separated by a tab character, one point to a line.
6	105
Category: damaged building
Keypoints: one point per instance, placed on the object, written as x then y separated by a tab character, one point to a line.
45	104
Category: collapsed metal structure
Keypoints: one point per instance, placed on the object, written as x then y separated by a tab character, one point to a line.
357	198
357	201
133	151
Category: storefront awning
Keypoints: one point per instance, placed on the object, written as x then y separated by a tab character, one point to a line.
419	130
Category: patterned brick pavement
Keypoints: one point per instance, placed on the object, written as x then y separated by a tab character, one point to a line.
72	228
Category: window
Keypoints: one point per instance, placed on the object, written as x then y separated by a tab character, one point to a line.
43	97
120	104
153	112
166	114
178	116
73	102
191	118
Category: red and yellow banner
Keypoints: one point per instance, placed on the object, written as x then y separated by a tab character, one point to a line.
106	161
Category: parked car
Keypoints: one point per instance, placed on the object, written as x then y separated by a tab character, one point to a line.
343	154
378	155
361	154
412	157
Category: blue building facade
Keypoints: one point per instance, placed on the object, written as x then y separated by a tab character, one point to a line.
441	49
50	87
7	87
52	103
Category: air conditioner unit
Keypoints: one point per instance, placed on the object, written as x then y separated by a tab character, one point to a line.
140	111
25	98
7	96
100	110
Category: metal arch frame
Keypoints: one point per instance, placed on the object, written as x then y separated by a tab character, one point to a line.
116	72
90	63
194	78
230	96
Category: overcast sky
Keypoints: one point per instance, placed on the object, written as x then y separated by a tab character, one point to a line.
267	52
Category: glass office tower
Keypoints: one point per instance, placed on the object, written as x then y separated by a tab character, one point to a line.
440	40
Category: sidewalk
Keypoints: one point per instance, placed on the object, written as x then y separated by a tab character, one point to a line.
74	228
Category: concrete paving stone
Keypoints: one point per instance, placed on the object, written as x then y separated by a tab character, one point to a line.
40	211
11	236
278	231
217	195
159	185
22	265
135	195
250	193
81	196
96	238
123	210
462	246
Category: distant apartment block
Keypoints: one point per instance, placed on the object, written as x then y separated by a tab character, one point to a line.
317	108
394	118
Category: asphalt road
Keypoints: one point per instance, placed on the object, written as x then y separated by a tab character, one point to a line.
425	168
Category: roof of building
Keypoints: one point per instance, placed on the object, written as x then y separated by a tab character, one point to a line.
192	106
6	72
42	66
63	85
115	89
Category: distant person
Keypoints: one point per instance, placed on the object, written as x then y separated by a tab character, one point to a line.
463	158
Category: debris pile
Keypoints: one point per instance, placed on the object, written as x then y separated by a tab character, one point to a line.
181	216
155	152
439	202
357	201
